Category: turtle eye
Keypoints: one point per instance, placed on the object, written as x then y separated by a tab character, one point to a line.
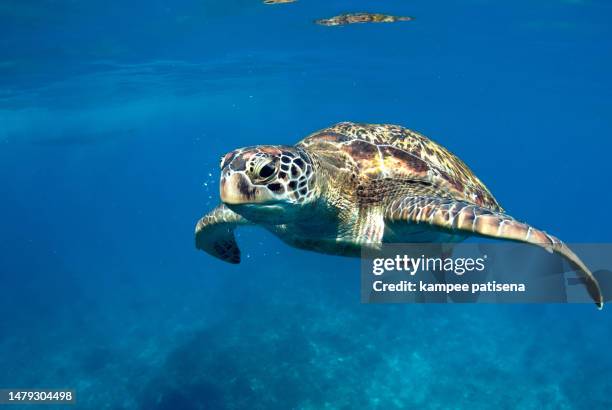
263	168
267	170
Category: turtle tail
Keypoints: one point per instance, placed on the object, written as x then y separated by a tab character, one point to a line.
470	218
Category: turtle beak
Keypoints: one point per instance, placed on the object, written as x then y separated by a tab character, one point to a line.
236	189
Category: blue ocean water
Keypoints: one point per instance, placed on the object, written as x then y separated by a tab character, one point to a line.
113	116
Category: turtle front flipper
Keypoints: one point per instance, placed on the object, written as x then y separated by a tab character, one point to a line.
461	216
214	234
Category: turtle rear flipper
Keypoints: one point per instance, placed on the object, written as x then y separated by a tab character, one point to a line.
214	234
367	226
462	216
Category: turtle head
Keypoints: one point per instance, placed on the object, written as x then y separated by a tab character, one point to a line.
267	182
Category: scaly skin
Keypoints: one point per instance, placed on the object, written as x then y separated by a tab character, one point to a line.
455	216
214	233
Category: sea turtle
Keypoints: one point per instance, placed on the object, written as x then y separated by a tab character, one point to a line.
278	1
352	18
353	185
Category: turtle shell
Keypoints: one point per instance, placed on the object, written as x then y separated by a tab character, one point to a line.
381	152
